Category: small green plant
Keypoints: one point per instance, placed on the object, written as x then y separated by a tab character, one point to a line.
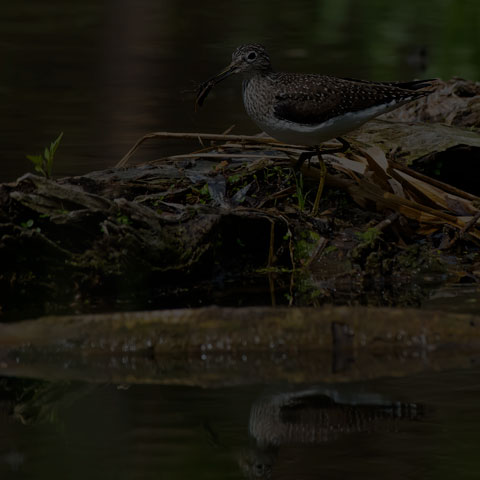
240	243
300	195
29	225
201	195
123	219
233	179
330	249
44	163
369	236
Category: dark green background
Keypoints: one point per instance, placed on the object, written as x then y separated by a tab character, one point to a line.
105	72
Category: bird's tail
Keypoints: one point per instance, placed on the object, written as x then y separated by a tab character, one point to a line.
414	84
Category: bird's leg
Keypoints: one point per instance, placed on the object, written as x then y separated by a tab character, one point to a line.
304	156
321	183
345	146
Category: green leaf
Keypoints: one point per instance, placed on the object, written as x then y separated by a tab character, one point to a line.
35	159
27	224
44	164
55	144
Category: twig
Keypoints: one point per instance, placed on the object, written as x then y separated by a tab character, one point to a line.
209	136
430	180
459	234
275	196
228	130
271	285
387	221
226	156
271	244
196	136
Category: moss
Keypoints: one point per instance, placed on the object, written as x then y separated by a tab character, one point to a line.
369	237
307	290
328	250
305	244
420	257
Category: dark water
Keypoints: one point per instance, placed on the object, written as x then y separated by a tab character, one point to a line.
106	72
421	427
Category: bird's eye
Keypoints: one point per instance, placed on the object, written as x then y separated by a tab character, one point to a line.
251	56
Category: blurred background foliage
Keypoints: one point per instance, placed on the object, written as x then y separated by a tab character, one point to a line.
105	72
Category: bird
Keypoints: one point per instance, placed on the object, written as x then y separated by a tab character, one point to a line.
308	109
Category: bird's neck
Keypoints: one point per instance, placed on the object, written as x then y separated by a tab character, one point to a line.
257	75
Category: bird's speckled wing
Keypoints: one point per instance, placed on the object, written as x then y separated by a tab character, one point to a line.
314	99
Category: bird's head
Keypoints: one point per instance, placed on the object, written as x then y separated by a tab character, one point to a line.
248	60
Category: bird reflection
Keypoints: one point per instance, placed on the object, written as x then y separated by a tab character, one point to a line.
315	416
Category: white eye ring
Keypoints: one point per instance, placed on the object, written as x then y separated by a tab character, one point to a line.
251	56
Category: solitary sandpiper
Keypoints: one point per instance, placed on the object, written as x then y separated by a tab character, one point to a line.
308	109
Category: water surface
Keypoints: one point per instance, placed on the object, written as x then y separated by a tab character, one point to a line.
421	427
106	72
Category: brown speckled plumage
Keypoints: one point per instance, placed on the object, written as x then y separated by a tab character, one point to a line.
313	99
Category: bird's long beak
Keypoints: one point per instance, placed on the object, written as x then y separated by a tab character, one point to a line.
205	87
226	72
